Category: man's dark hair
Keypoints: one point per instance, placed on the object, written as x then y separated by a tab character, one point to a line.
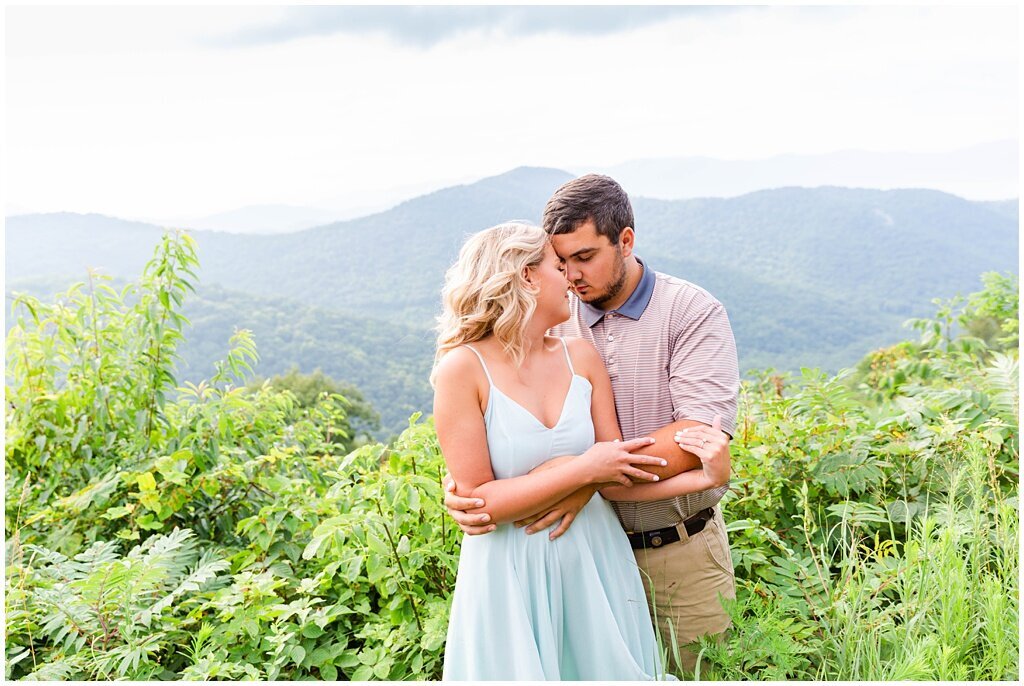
594	197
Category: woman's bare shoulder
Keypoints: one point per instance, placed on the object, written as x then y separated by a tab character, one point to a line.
584	355
458	363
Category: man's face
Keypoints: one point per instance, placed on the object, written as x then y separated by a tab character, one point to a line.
595	267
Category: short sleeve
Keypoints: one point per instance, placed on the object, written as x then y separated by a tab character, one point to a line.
703	369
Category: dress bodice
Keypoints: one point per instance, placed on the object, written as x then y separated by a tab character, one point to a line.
518	442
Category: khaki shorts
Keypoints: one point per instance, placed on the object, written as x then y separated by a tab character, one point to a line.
683	581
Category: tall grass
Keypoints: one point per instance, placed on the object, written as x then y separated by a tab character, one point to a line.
936	601
944	605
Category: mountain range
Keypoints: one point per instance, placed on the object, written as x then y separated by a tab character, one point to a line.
986	171
810	276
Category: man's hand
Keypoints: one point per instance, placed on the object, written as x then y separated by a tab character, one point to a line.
565	510
472	524
711	445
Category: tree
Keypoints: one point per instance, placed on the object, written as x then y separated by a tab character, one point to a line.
310	389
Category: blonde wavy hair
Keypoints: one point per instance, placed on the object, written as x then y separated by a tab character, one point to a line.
486	292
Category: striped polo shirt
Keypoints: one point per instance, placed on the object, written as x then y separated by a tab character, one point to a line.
671	355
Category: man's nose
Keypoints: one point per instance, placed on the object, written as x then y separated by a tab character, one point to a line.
573	274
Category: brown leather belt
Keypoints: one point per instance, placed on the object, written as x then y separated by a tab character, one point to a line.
656	538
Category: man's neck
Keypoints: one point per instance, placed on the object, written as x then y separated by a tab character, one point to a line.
634	272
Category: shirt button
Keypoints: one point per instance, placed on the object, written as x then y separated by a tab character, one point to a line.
611	360
611	337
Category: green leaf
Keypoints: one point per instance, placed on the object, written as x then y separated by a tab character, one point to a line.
383	669
312	631
313	546
329	672
116	513
251	627
377	545
146	481
320	655
353	568
149	522
364	673
348	659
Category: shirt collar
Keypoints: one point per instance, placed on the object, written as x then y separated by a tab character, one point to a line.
634	305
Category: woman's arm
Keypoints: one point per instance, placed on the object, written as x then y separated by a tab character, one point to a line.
461	432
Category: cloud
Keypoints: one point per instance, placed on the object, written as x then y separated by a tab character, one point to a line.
426	26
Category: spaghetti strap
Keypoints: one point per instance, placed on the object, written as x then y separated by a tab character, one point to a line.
482	363
568	359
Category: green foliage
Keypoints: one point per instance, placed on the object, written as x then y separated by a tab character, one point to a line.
873	515
73	413
310	389
769	639
232	529
993	313
104	615
263	547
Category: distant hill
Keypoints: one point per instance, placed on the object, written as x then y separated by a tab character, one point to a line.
1007	208
991	172
810	276
66	244
387	265
390	363
882	251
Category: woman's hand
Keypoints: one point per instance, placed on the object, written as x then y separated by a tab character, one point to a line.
711	445
473	524
614	462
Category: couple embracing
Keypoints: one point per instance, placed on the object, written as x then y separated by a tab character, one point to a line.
536	389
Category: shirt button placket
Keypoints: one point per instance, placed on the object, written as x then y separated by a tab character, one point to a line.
610	351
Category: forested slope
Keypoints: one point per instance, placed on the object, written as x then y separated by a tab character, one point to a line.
810	276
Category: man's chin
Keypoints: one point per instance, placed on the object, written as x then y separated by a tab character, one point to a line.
591	298
597	301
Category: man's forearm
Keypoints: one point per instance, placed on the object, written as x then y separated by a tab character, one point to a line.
665	447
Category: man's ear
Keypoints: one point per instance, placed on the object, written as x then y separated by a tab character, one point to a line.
627	240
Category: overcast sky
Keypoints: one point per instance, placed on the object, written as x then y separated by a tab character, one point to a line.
176	112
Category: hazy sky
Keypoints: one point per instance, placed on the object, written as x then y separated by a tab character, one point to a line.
174	112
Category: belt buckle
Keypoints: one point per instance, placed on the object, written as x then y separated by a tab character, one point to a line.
656	541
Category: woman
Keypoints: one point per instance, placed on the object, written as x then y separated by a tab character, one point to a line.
509	398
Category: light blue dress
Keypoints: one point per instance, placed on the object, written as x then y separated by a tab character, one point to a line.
527	608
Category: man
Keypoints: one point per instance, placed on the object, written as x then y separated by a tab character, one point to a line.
671	357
